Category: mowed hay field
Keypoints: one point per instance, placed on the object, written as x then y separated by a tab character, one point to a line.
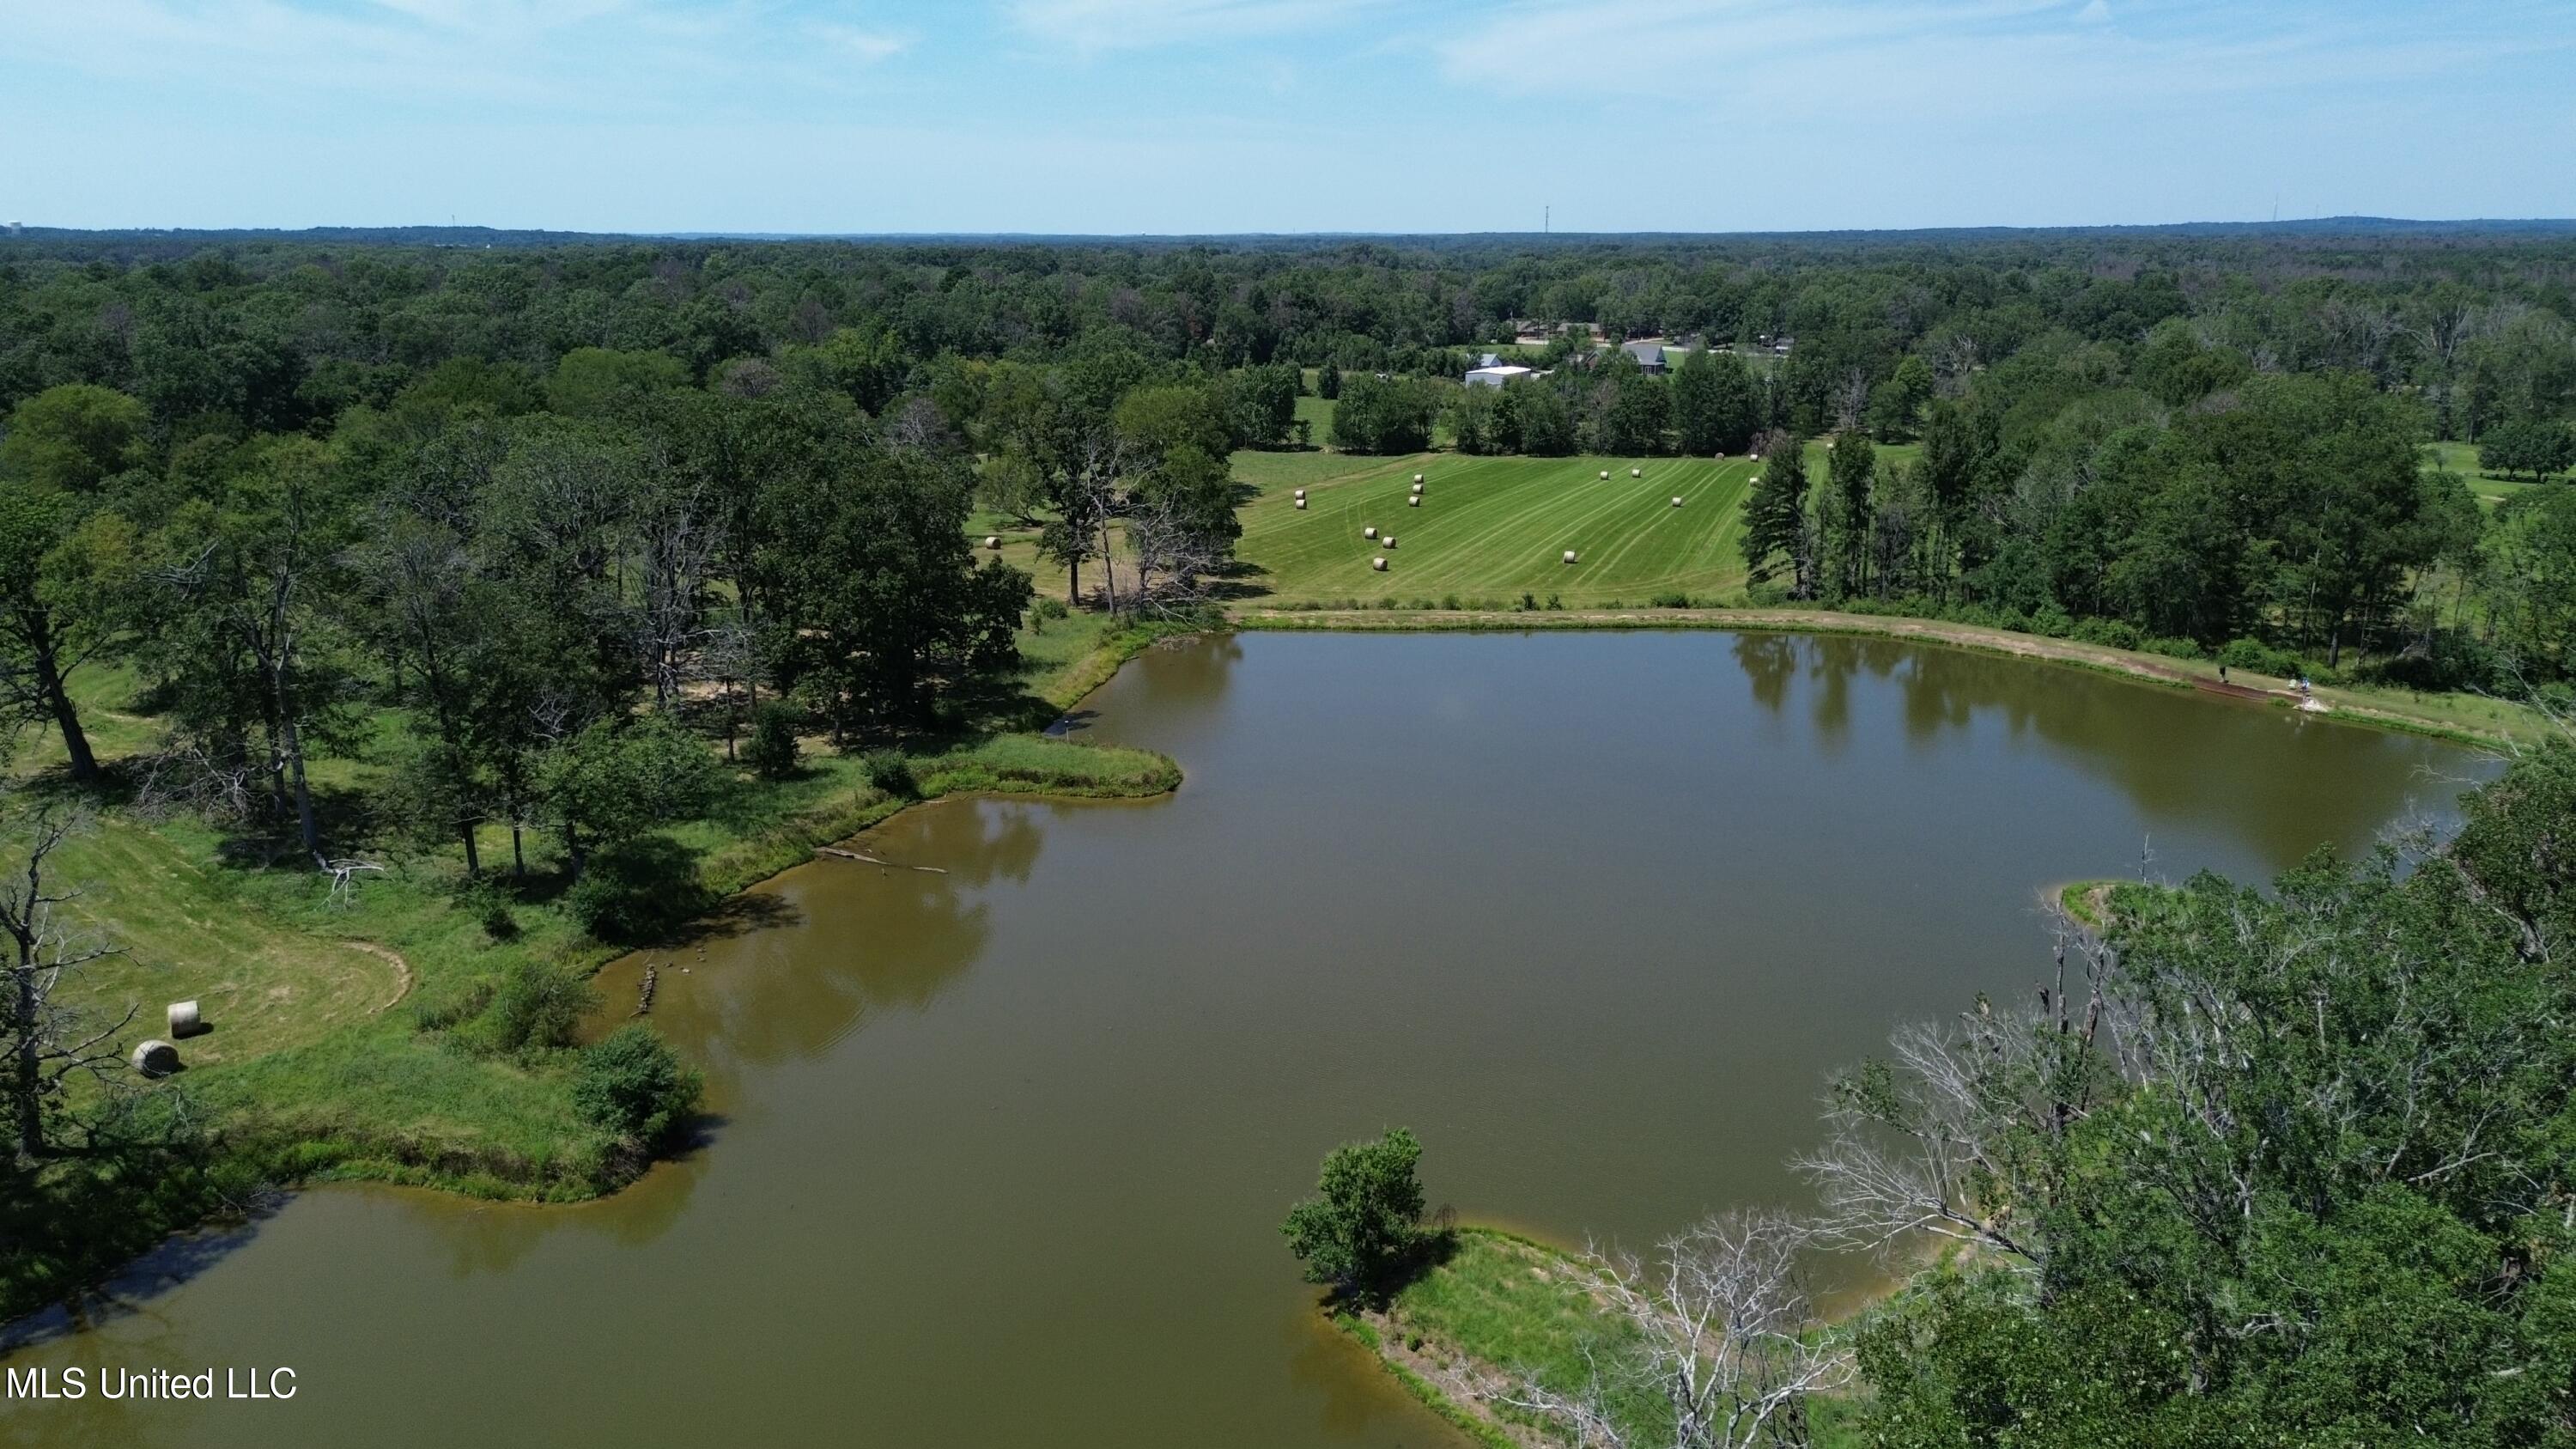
1495	528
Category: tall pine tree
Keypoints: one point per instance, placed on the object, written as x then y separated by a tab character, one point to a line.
1775	513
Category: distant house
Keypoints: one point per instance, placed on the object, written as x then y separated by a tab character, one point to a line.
1649	353
1496	375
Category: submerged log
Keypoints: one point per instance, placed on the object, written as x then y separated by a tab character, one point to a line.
840	854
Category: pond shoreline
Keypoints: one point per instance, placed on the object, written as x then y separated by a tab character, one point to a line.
2418	714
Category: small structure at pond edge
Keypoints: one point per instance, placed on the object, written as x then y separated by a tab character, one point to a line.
156	1058
184	1020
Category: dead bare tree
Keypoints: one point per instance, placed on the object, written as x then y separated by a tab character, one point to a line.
1173	557
677	542
1959	1134
1727	1335
46	1042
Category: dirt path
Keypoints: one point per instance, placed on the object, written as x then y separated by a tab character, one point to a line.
393	958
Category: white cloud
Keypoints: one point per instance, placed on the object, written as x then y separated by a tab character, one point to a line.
554	54
1096	25
1883	62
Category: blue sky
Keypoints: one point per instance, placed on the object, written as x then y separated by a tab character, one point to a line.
1279	115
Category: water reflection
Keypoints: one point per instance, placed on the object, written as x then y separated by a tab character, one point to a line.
2181	759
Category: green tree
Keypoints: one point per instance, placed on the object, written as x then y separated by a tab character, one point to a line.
1845	514
1364	1228
622	777
65	561
1698	404
590	381
875	599
1328	380
1384	415
1775	515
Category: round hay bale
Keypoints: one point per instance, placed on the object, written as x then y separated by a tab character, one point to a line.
184	1021
155	1058
993	540
1417	481
1569	555
1387	542
1301	495
1605	472
1301	503
1677	500
1415	501
1636	472
1369	532
1378	563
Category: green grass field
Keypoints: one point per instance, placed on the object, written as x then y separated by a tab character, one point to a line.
1495	528
2462	458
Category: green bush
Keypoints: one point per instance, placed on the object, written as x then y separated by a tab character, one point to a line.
1675	600
890	772
634	1085
536	1009
773	751
2174	648
2116	633
1045	611
638	890
2256	657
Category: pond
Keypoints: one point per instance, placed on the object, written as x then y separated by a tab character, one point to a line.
1002	1151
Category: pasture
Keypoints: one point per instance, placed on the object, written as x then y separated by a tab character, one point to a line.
2462	458
1496	528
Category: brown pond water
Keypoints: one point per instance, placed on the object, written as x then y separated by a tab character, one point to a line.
1003	1151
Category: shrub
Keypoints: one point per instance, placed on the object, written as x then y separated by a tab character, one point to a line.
638	890
2173	648
1553	603
1529	603
889	771
1363	1229
634	1085
773	750
1449	602
2052	622
2116	633
2256	657
1045	611
536	1009
1675	600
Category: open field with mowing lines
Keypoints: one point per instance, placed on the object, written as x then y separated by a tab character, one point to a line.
1495	528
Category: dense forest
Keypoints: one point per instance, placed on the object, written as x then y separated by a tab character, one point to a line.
2196	439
